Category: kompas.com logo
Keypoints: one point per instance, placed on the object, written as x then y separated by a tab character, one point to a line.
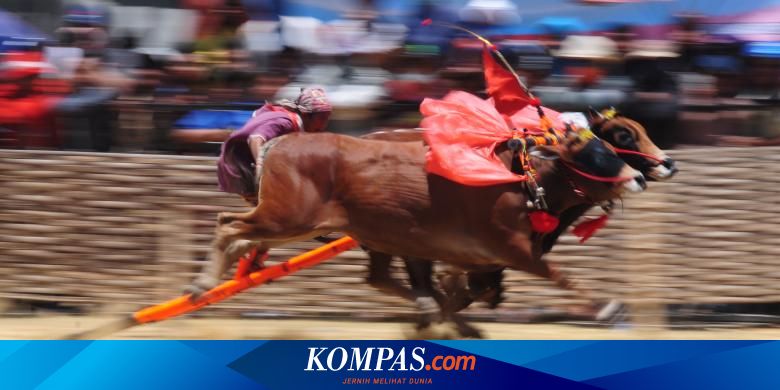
384	359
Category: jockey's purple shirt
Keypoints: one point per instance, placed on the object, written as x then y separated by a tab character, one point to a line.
234	167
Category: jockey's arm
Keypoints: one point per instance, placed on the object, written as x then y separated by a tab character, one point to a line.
261	132
200	135
255	142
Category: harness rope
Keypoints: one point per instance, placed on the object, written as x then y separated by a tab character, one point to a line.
638	153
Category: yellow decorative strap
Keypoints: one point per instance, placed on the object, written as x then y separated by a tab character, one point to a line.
585	135
609	113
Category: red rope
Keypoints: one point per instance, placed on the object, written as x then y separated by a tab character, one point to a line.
597	178
645	155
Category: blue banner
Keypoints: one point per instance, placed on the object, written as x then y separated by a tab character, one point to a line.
275	365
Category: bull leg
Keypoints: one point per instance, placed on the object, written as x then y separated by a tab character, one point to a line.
429	300
421	278
220	261
477	286
458	298
465	289
450	312
236	234
379	276
426	298
487	287
432	305
593	310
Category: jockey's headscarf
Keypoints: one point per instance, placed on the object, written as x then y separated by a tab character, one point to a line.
313	100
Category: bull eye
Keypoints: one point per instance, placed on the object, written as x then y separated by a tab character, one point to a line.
624	138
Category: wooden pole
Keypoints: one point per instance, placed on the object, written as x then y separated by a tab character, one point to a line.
185	304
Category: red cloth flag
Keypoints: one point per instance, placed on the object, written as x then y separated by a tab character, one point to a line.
505	89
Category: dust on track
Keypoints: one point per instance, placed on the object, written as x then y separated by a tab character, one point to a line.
54	327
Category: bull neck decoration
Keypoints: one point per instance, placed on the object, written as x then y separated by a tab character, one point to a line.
609	113
543	222
463	131
587	228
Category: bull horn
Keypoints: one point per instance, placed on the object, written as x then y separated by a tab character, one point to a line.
595	113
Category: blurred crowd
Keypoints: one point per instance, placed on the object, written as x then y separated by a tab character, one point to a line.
99	82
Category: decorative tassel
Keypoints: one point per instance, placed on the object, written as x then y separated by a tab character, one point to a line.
542	221
584	230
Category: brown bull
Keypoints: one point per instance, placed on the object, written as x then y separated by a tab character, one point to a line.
617	130
379	193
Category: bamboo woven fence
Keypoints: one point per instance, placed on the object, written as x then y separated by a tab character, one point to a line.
97	230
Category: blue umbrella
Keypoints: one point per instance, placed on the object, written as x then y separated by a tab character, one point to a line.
261	9
762	49
559	25
325	11
12	26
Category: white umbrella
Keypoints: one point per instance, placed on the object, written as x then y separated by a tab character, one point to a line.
490	12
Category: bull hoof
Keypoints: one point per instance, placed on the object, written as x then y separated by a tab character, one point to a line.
467	331
609	311
435	331
493	297
193	291
427	312
198	288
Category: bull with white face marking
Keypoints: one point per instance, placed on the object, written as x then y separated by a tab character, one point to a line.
627	136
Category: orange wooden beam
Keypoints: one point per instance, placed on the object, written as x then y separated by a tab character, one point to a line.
182	305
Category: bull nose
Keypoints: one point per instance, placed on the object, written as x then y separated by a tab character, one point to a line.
640	179
669	164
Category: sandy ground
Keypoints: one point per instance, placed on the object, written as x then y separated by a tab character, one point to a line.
54	327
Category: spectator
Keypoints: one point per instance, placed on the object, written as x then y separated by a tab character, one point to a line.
96	83
25	116
203	129
654	102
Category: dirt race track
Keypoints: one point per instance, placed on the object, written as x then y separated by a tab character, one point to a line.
53	327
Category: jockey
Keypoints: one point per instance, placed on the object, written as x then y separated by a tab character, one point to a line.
239	166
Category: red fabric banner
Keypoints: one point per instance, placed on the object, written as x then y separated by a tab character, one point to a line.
463	131
503	86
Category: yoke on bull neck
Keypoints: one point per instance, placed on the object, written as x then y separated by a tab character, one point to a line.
558	187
